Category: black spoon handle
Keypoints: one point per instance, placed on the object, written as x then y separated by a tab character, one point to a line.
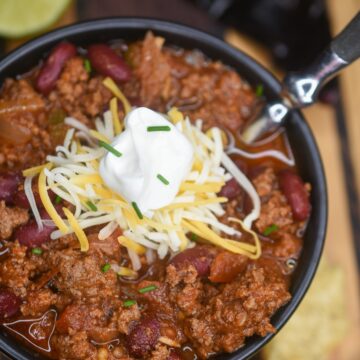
347	44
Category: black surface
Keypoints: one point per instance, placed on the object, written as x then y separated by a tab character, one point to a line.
305	149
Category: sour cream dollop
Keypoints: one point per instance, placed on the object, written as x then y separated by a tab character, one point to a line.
147	157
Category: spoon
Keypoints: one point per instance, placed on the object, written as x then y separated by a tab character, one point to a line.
300	89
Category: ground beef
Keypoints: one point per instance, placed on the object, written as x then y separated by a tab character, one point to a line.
23	106
38	302
81	97
243	308
11	217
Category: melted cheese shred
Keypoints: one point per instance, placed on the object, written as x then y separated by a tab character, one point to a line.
73	174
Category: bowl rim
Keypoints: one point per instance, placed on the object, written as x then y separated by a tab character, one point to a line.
206	39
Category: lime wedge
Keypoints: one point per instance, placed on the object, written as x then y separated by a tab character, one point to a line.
20	18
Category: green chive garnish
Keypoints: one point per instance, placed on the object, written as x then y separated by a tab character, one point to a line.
147	289
270	229
193	237
137	210
259	90
162	179
37	251
105	268
58	200
87	66
158	128
91	206
109	148
129	303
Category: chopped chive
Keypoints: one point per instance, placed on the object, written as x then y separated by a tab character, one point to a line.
137	210
270	229
259	90
58	200
193	237
91	206
129	303
162	179
105	268
109	148
37	251
158	128
147	289
87	65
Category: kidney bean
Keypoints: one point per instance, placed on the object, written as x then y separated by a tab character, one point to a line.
106	62
30	236
294	190
22	201
9	304
50	71
9	183
200	257
226	266
231	189
143	337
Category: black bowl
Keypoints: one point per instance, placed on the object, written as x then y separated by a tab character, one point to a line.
304	146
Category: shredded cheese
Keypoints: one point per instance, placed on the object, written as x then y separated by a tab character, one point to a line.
110	84
130	244
115	114
84	243
35	170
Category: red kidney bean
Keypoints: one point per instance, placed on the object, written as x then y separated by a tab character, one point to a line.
294	190
226	266
106	62
21	200
50	71
231	189
200	257
9	304
143	337
29	234
9	183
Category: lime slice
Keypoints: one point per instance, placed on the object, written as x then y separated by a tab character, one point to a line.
20	18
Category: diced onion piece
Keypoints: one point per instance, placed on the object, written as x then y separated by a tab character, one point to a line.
44	196
110	84
247	186
132	245
79	232
30	196
167	341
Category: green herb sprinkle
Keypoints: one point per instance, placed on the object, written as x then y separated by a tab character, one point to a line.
91	206
158	128
105	268
87	65
270	229
58	200
259	90
109	148
162	179
137	210
129	303
147	289
37	251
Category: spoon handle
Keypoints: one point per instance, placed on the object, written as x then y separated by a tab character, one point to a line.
347	44
301	88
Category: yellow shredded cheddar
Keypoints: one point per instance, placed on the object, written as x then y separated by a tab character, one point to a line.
79	232
216	200
207	187
132	245
124	271
184	240
175	115
45	199
110	84
115	115
86	179
36	169
99	136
